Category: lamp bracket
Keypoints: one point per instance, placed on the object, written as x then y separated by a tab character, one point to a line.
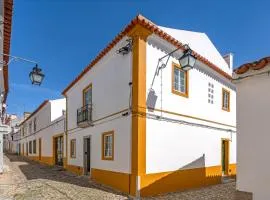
125	49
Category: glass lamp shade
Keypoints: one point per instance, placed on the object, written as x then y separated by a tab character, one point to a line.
187	61
36	76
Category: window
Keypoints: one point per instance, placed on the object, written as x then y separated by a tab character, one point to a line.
35	124
225	100
211	93
34	146
179	81
30	147
30	127
108	145
87	95
73	148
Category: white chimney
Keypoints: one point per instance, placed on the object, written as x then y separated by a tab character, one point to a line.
229	60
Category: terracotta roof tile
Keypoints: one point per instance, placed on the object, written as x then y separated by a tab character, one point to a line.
256	65
8	9
154	29
35	111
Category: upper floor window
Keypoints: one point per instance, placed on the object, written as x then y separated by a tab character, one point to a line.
225	100
179	81
30	127
34	146
108	145
211	93
87	95
30	147
35	124
73	148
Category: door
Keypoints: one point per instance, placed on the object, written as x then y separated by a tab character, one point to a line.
26	148
23	149
39	148
59	150
87	155
19	149
225	157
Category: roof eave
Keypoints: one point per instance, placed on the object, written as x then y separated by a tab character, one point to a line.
155	30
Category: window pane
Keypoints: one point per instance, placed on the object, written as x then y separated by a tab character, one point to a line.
179	80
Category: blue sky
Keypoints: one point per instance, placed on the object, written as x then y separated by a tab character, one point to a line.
63	36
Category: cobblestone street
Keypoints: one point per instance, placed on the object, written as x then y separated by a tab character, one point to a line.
24	179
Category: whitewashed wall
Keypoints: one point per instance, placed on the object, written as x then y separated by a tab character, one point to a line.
173	146
110	79
46	129
253	135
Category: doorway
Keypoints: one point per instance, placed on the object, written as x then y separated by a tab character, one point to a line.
59	150
225	156
87	155
23	149
39	148
26	148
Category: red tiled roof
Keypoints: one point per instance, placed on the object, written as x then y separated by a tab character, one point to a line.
256	65
8	9
38	109
141	20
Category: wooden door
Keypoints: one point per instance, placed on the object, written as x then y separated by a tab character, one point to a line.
39	148
225	157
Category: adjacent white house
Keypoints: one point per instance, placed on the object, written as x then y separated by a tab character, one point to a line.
6	8
11	138
253	97
42	133
146	137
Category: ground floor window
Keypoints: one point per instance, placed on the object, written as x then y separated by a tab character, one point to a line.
108	145
30	147
73	148
34	146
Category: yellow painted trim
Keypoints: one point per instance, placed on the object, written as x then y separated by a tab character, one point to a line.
227	154
174	65
78	170
72	156
39	148
84	91
103	146
192	117
117	180
164	182
47	160
139	36
54	146
66	133
229	100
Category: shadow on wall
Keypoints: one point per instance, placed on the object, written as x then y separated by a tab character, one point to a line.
182	179
35	170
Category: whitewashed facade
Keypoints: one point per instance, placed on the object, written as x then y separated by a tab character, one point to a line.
6	8
153	150
39	130
252	82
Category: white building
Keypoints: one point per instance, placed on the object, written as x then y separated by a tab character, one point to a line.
42	133
185	139
252	82
6	7
10	139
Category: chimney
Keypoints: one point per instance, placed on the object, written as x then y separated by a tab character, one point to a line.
229	60
26	114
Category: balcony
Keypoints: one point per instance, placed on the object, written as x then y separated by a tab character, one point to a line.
84	116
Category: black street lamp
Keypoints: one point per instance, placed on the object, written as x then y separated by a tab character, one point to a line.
36	76
187	60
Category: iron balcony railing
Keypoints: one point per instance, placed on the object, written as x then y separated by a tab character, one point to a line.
84	114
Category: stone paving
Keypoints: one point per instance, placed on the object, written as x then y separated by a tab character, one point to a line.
28	180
